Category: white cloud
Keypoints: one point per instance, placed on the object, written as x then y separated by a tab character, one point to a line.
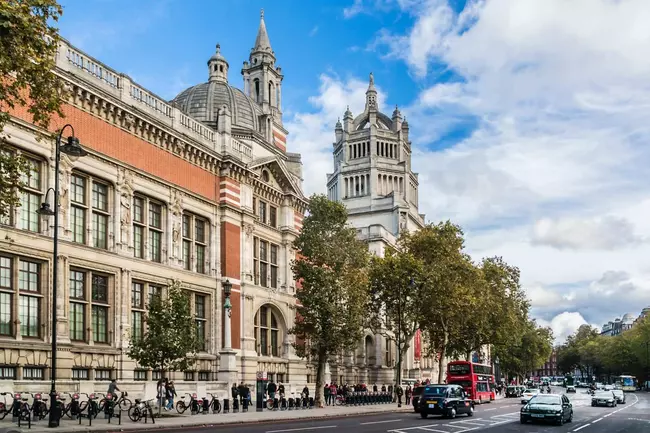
555	174
564	324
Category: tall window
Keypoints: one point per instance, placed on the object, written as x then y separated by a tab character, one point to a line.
268	214
6	296
265	263
147	228
29	286
141	296
267	333
89	201
88	298
31	197
201	319
78	208
194	242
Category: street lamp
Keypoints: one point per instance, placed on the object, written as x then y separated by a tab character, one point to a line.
74	151
227	290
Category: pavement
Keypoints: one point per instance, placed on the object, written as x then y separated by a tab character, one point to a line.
496	417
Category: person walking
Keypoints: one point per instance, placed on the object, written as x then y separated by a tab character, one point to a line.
171	393
234	393
400	392
327	393
161	392
409	393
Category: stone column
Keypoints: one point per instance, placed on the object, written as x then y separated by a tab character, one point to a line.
227	356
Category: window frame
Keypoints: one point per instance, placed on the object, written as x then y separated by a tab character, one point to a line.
269	329
33	368
201	320
30	295
148	289
266	212
265	268
147	229
194	249
90	305
91	210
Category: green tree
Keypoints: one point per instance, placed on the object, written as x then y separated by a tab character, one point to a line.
447	286
333	295
577	353
28	45
531	351
171	339
397	286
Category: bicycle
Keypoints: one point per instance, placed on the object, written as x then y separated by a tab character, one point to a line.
181	406
90	406
6	409
39	406
140	409
123	402
215	404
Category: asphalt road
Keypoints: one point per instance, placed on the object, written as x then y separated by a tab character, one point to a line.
500	416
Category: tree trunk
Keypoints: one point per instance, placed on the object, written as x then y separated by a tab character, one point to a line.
443	355
320	380
404	349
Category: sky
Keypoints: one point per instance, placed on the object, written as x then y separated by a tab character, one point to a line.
529	118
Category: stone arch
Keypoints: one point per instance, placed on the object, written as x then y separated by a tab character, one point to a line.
270	330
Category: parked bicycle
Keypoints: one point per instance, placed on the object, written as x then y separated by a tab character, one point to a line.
123	402
215	404
140	409
90	406
39	406
194	404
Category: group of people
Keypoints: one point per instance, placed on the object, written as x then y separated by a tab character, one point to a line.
166	392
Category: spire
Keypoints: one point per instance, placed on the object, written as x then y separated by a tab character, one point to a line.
371	95
218	66
262	42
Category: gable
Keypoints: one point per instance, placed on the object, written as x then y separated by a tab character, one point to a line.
274	173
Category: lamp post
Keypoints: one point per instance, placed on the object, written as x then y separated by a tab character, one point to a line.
227	306
74	151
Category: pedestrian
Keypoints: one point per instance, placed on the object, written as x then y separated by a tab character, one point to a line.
171	393
241	390
374	388
161	392
409	393
271	388
327	393
399	391
234	392
112	387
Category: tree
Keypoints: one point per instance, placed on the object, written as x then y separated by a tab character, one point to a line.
332	273
171	340
532	350
393	283
447	286
28	45
576	352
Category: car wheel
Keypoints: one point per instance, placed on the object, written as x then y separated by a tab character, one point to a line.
560	421
570	417
471	411
522	420
423	415
452	412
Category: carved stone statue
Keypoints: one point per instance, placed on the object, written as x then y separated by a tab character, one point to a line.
125	218
402	221
176	203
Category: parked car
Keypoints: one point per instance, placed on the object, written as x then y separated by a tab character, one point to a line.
513	391
415	398
570	389
603	398
620	396
547	407
445	400
528	394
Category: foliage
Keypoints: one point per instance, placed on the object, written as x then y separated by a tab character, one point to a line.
605	356
333	295
171	340
396	307
530	351
28	45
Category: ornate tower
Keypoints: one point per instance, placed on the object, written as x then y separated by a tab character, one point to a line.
263	84
372	173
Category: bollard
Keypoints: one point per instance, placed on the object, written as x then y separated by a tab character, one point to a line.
226	405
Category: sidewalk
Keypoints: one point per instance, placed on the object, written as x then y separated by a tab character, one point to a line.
172	420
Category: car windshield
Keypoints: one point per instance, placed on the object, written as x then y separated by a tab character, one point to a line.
418	390
607	394
617	392
435	390
546	399
531	391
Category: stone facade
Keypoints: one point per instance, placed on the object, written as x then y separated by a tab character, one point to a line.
373	178
166	193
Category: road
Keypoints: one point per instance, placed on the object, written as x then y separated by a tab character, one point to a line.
496	417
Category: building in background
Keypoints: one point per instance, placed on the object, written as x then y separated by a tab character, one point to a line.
618	326
200	190
549	369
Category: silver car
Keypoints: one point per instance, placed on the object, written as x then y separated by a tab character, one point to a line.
603	398
620	396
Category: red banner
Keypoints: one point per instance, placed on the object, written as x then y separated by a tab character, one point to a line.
417	344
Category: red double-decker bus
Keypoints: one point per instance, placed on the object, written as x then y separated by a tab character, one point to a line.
476	379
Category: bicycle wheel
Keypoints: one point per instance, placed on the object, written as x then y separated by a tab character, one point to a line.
181	407
135	414
125	404
216	406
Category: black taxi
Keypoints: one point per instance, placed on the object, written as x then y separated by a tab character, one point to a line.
445	400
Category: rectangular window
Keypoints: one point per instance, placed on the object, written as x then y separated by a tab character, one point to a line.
256	260
140	375
204	376
156	375
273	216
33	373
155	232
154	292
77	321
201	319
7	373
99	308
31	197
194	243
78	208
103	374
6	296
265	263
138	227
100	215
80	374
262	214
141	296
274	266
189	375
29	308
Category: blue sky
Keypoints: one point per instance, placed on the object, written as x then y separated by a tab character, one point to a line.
529	118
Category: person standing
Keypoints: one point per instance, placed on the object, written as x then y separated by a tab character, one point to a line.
171	393
234	393
409	393
327	393
161	392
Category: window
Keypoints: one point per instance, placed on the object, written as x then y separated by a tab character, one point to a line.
103	374
200	318
7	373
88	298
6	296
268	214
33	373
194	243
189	375
78	208
265	263
31	197
80	374
147	228
139	374
29	286
141	296
156	375
204	376
267	333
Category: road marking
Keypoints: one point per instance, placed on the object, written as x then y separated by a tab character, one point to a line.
380	422
301	429
581	427
609	414
494	408
596	420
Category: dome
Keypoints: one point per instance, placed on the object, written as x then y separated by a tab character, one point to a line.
204	101
628	318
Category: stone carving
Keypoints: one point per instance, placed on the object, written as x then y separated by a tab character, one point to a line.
125	180
176	203
125	188
249	228
128	120
402	221
64	196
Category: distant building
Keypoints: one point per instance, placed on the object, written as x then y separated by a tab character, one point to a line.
616	327
549	369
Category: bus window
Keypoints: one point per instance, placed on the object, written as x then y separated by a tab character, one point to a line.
482	387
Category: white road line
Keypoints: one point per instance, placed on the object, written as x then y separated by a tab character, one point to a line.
609	414
301	429
581	427
477	423
596	420
487	410
380	422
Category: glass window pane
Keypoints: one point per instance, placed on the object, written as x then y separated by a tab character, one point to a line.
138	209
32	178
200	259
155	215
6	272
138	242
100	324
200	230
77	321
187	255
29	316
100	196
136	295
100	231
187	224
78	189
136	324
199	306
29	218
264	251
264	279
155	245
28	278
78	224
100	288
77	280
274	254
6	325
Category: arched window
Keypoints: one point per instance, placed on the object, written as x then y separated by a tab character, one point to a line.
257	90
267	332
271	92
